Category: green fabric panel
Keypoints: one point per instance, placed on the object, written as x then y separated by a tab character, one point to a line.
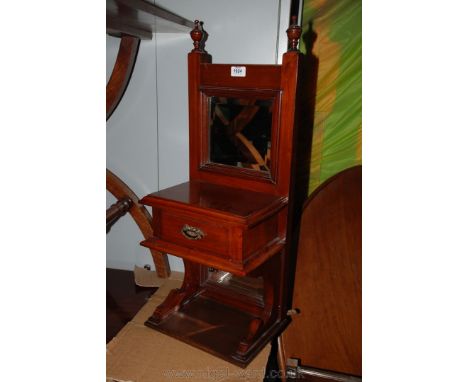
339	92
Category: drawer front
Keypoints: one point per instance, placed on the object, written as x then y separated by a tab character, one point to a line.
193	232
259	236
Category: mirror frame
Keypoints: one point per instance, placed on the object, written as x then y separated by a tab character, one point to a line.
205	163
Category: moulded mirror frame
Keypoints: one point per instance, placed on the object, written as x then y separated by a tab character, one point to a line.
205	162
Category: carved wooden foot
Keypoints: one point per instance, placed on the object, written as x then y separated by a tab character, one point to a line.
175	299
246	343
195	274
259	325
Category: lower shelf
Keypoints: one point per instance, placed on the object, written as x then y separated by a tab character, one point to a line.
215	328
212	260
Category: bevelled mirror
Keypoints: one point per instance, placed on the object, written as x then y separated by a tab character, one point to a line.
240	133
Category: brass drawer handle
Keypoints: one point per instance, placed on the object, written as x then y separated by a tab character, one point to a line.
192	233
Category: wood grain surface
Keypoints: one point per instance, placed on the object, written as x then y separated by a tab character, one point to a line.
326	334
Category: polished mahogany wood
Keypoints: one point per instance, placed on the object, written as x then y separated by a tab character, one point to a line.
240	229
119	189
229	203
194	276
266	77
197	36
326	334
230	219
280	80
212	259
214	327
232	325
294	34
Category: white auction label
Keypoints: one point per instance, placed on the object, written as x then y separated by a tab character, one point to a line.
238	71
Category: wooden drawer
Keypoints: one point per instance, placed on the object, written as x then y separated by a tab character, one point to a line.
217	226
192	231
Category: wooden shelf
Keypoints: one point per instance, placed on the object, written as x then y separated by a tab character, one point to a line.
141	19
216	328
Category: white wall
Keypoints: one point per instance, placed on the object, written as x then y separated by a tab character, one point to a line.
132	151
250	32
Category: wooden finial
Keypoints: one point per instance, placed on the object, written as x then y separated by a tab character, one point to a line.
197	34
294	34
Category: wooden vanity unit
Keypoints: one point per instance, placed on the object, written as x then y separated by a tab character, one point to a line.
231	222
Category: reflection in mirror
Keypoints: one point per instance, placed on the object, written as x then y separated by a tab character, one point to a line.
240	132
246	286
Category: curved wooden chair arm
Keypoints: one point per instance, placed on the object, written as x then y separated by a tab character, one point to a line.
122	72
140	215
